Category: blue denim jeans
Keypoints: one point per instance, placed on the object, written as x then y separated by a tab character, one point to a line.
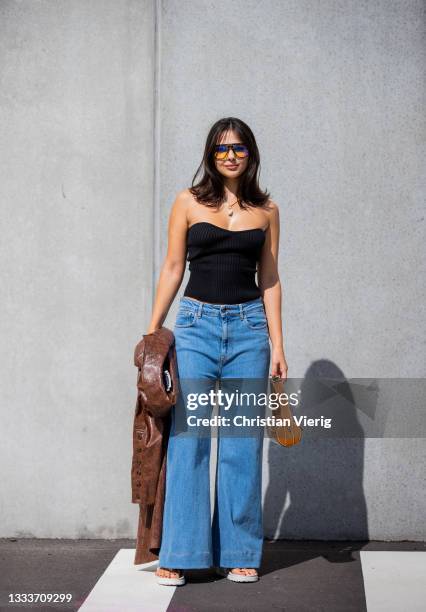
215	342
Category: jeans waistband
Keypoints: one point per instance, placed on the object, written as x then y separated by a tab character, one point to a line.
238	309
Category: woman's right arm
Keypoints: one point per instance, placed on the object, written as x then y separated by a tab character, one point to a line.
173	268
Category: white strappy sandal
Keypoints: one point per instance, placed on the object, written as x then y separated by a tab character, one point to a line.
179	581
226	571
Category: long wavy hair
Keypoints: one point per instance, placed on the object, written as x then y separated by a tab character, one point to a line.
210	189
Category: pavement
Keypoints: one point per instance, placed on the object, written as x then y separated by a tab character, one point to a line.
295	576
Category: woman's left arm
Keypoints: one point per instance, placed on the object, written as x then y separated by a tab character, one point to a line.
270	286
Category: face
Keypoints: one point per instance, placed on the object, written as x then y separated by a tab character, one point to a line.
232	166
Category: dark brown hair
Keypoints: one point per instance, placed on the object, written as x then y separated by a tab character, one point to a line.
210	188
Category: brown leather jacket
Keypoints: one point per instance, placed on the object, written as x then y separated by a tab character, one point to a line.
153	354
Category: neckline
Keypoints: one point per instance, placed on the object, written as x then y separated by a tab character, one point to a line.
253	229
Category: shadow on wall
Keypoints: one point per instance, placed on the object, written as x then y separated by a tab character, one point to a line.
315	489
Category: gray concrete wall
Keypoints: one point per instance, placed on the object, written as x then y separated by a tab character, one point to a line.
105	108
77	190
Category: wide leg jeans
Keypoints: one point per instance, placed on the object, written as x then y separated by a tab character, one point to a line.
215	342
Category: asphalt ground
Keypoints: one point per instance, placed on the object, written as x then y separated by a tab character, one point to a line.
295	576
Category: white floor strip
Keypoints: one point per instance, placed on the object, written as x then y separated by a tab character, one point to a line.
125	587
394	581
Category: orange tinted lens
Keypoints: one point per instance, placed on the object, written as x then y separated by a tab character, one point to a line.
240	152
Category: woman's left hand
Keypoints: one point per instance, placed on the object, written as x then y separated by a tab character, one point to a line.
278	363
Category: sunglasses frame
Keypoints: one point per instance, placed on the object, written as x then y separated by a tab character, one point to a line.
229	146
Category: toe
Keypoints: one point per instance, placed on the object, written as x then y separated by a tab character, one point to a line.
244	571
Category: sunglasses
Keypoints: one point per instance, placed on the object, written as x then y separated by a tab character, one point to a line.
221	151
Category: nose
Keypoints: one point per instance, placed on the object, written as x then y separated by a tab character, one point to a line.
231	155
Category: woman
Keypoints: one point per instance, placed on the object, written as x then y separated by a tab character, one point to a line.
228	226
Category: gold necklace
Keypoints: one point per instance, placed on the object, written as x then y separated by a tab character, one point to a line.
230	211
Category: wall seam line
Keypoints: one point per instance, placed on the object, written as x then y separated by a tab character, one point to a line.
156	149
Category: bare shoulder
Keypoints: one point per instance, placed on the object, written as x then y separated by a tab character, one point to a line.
273	212
181	204
185	194
189	204
272	207
183	198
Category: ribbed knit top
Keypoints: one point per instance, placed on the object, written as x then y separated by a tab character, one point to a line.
223	263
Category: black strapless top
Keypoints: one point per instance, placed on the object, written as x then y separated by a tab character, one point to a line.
223	263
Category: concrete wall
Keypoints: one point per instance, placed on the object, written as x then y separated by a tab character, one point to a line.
105	108
77	192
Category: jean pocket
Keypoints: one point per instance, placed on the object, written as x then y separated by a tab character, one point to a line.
185	317
255	318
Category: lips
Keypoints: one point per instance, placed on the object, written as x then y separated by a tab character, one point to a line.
232	167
